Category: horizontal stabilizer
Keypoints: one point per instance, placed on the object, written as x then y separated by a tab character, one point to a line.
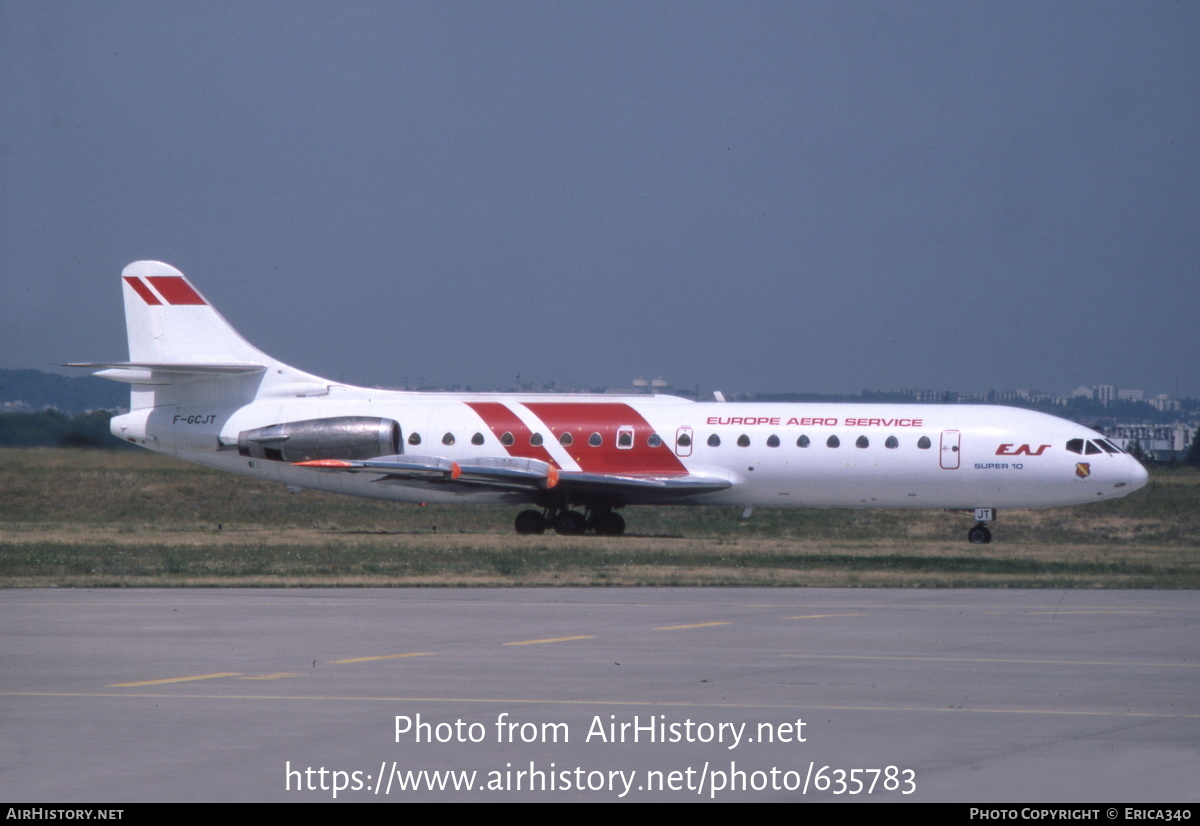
131	372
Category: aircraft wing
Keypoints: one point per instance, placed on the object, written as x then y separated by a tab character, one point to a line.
486	471
517	474
398	469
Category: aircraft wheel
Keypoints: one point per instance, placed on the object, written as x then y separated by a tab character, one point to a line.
571	523
979	535
530	521
610	524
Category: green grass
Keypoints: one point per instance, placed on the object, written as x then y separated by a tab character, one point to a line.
101	518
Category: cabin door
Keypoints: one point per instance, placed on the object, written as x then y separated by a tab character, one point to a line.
950	449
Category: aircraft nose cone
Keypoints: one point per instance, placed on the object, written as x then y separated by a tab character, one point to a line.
1138	475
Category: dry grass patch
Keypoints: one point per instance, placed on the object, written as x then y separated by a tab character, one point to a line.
98	518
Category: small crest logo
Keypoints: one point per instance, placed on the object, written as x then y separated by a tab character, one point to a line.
1083	470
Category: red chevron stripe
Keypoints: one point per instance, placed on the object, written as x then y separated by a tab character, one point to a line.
501	420
582	419
175	290
142	290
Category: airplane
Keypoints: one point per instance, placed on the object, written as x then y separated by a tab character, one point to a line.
201	392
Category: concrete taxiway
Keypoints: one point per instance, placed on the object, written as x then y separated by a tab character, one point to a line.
599	695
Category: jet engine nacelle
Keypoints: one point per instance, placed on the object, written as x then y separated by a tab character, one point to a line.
340	437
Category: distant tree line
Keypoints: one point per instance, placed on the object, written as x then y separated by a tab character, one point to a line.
50	428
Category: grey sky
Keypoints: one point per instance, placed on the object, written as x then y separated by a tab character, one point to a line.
747	196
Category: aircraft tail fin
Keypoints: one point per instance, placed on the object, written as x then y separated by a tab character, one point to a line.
178	340
168	321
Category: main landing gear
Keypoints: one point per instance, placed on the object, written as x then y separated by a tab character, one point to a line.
603	520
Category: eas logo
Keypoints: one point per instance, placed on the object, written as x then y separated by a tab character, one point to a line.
1023	450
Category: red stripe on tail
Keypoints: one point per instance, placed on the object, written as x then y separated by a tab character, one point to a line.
142	290
175	290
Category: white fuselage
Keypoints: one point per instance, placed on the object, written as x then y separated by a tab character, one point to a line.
783	455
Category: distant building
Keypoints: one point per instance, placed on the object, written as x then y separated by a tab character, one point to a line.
1162	442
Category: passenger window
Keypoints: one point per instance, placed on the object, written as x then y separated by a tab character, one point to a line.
684	440
414	438
477	439
833	441
507	439
743	440
625	439
1091	448
1075	446
772	441
862	441
654	441
594	440
714	440
448	439
566	440
892	443
803	442
536	440
924	443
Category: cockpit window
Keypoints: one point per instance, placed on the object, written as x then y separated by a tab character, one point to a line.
1108	448
1075	446
1090	448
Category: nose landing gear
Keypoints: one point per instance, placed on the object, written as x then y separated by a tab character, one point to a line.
980	535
